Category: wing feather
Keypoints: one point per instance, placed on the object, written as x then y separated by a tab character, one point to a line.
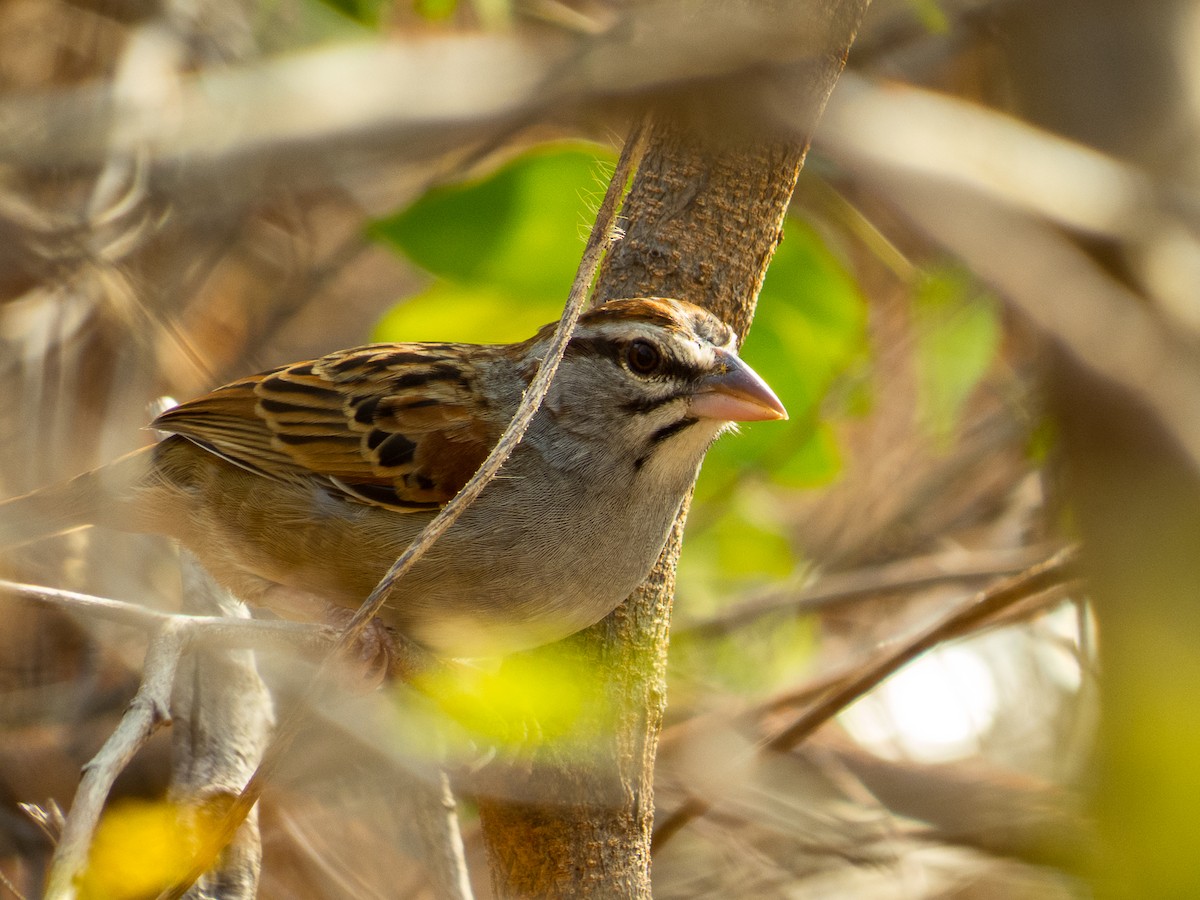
395	425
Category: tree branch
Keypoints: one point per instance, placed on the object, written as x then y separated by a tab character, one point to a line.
1045	584
148	711
704	213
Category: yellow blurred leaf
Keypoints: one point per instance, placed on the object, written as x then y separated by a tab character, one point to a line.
142	847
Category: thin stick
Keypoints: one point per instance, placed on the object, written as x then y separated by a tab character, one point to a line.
10	887
840	588
226	631
147	712
598	242
982	607
1050	580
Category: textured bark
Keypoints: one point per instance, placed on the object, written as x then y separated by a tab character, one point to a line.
222	718
703	219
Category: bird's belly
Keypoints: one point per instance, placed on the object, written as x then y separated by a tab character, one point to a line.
504	586
494	583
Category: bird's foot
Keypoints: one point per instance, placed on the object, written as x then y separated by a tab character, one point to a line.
372	656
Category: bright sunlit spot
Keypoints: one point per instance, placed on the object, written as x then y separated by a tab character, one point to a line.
946	704
933	710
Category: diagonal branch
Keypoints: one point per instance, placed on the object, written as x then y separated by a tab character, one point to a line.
148	712
1050	581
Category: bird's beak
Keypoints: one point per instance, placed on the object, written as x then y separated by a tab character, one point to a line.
735	393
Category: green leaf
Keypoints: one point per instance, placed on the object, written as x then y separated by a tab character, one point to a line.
743	546
809	331
435	10
810	323
759	658
520	230
958	335
364	12
473	314
931	15
813	463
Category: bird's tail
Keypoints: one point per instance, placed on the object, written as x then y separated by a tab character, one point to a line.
99	497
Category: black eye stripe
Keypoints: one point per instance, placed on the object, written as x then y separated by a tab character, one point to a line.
670	368
596	348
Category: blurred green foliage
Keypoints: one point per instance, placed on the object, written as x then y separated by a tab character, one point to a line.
435	10
931	16
365	12
809	329
284	27
503	249
531	698
958	335
142	847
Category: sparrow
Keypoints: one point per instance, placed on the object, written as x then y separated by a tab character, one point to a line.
298	487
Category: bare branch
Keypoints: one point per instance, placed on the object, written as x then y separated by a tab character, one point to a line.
232	633
148	711
987	604
992	190
1050	581
429	91
867	583
223	716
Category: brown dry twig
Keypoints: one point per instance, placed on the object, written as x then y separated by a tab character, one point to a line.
223	631
865	584
148	711
1046	583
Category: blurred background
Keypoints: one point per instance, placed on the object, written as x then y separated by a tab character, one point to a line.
982	319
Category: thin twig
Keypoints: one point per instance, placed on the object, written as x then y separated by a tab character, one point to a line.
10	887
597	245
980	609
147	712
1049	581
229	632
442	843
864	584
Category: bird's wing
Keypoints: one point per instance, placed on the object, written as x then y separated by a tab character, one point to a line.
394	425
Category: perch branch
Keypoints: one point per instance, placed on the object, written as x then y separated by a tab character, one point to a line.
223	718
148	711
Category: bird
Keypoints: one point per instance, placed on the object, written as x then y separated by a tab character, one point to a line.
298	487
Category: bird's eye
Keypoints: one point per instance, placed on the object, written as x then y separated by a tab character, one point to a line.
643	357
